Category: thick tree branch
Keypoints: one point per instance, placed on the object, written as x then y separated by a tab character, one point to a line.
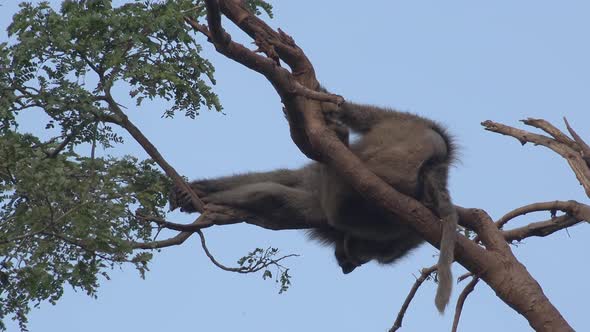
293	88
480	222
509	278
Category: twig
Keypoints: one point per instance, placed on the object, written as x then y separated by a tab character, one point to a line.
424	274
461	301
464	276
212	259
263	263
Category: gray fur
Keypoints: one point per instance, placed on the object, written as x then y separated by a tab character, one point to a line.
410	153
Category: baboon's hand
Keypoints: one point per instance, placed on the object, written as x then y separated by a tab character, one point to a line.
180	198
332	118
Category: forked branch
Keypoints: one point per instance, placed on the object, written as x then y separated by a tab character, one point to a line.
575	152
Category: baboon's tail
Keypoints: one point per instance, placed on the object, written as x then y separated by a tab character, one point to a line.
436	197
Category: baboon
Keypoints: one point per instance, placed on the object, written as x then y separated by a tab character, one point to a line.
409	152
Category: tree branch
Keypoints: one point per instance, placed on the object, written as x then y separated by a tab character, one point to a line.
53	153
550	129
541	228
573	155
262	263
461	301
584	148
424	274
152	151
578	210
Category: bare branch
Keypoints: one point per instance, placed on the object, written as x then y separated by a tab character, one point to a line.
464	276
212	259
550	129
578	210
574	157
541	228
178	239
461	301
424	274
523	136
584	148
235	51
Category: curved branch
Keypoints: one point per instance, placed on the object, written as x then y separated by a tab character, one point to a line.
479	221
578	210
461	301
263	263
178	239
162	223
424	274
541	228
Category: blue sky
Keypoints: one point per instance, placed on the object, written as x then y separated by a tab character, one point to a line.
459	62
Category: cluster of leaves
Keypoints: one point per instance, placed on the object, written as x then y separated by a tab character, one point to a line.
58	54
263	259
67	219
259	6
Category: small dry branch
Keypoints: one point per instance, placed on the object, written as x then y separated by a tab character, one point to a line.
424	274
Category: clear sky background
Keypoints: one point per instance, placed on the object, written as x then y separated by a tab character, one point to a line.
459	62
